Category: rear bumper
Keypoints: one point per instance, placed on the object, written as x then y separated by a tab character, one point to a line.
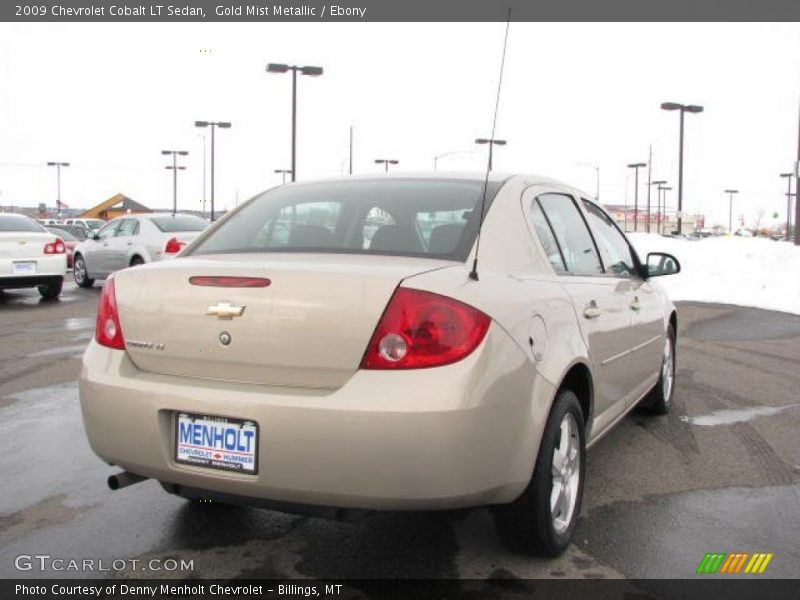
456	436
48	269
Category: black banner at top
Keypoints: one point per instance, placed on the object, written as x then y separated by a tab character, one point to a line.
397	10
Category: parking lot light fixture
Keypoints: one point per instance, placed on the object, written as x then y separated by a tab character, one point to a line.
175	168
283	172
386	162
683	108
58	166
492	142
307	70
213	125
730	208
636	167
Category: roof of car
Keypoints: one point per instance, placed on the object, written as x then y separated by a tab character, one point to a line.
494	177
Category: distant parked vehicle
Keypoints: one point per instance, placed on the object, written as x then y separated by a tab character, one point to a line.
70	240
30	256
78	231
48	222
133	240
90	224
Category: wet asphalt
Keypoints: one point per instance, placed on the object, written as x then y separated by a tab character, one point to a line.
720	473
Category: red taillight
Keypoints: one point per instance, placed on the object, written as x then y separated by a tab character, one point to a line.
420	329
56	247
174	246
108	331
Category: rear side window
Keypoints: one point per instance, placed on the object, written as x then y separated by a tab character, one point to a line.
574	240
546	237
434	218
19	223
178	223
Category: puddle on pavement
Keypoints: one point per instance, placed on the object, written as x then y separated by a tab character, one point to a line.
738	415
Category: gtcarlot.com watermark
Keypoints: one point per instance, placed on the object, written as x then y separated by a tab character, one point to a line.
46	562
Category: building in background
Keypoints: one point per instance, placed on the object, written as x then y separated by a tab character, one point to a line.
624	217
117	205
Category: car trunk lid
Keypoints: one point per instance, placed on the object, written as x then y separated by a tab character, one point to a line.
309	327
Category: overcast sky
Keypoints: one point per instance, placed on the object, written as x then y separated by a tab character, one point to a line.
109	97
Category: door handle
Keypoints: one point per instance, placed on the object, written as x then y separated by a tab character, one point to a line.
591	311
635	304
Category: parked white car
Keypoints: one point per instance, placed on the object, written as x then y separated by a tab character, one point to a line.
345	344
90	224
30	256
133	240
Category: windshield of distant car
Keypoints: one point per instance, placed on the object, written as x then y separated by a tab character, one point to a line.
94	224
19	223
436	218
179	223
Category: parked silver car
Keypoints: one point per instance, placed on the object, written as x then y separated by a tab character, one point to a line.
133	240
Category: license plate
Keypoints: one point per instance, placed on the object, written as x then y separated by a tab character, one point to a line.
24	268
216	442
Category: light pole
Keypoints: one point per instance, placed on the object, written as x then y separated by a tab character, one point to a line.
636	167
203	137
492	142
788	202
283	172
213	125
730	209
386	162
683	108
310	71
58	166
652	183
597	178
663	217
175	168
438	156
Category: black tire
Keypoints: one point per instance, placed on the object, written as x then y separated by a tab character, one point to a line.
52	290
659	399
527	525
80	273
136	261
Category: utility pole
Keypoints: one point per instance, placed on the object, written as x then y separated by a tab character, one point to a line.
649	183
730	209
636	167
351	150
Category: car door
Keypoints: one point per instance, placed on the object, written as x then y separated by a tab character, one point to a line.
647	314
601	300
119	246
96	253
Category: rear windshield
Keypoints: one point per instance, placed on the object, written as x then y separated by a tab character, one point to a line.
178	223
402	217
19	223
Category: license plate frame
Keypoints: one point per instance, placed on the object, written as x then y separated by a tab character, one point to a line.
23	267
209	457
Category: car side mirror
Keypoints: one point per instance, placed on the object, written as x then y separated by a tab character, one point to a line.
94	235
661	263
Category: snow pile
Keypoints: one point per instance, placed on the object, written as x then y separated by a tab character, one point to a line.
755	272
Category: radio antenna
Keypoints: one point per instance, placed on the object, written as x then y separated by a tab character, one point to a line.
474	273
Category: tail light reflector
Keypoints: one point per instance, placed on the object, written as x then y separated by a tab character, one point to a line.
108	331
421	329
174	245
55	247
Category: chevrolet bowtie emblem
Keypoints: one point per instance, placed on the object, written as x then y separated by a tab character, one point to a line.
225	310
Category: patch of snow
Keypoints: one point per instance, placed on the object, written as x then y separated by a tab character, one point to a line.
756	272
739	415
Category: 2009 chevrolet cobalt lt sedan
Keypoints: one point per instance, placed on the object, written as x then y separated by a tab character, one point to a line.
335	344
